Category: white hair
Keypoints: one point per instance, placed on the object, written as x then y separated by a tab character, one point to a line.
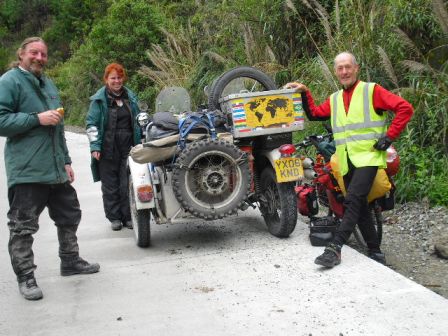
346	53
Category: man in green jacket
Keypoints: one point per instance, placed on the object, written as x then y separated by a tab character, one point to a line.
37	166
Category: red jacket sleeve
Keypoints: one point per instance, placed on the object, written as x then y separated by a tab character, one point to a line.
382	100
386	100
323	111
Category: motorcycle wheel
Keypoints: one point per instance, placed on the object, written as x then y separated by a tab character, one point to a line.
237	79
279	204
211	178
140	220
377	217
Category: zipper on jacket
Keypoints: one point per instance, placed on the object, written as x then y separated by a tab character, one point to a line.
53	144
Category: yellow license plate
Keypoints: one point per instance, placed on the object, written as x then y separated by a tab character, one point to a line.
288	169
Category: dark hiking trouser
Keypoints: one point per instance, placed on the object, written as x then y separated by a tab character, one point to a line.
114	178
358	182
27	201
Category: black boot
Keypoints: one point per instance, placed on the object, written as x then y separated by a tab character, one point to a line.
116	225
377	256
128	224
28	288
331	256
78	266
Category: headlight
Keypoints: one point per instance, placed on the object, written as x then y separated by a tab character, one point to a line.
142	119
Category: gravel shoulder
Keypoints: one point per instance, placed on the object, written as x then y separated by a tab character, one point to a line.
410	232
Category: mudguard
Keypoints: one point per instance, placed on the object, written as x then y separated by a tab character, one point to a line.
271	155
141	176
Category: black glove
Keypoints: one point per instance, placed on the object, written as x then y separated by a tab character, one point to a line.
383	143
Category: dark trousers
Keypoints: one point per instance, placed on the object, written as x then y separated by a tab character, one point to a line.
114	187
358	182
27	201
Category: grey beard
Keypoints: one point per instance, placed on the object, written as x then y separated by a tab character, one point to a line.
36	71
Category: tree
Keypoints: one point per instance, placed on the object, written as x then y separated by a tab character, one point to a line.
123	35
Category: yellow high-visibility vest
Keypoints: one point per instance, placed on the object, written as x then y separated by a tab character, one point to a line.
356	132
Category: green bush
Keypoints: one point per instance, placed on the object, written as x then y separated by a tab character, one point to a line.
423	174
123	36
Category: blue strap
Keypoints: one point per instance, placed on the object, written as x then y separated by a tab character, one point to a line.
184	131
195	120
211	122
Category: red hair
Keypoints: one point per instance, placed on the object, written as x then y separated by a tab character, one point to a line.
118	68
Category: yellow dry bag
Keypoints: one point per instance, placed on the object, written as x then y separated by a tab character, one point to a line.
381	184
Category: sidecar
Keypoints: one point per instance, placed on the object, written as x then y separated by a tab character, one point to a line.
214	162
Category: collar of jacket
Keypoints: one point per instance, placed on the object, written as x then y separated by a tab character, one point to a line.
37	81
352	87
101	95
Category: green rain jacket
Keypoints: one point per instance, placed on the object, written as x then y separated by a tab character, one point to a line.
97	119
33	153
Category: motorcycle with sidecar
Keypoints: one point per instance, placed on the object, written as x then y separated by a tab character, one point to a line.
225	157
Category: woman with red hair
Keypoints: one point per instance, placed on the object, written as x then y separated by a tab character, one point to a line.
112	131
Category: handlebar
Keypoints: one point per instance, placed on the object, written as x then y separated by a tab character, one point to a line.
323	143
314	140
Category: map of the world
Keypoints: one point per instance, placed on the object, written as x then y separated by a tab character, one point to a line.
269	111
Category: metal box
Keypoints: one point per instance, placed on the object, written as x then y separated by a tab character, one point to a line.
264	113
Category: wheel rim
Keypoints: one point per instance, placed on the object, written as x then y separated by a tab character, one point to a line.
322	195
213	179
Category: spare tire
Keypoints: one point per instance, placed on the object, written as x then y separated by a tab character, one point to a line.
220	86
211	178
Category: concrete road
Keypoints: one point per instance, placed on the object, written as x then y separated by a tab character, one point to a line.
227	277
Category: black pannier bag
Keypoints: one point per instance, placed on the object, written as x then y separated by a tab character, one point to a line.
387	202
322	230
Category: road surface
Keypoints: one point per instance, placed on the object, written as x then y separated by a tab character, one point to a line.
228	277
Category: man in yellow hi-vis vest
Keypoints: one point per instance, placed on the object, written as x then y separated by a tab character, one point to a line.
361	137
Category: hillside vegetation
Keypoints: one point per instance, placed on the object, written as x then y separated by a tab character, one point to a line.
401	44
